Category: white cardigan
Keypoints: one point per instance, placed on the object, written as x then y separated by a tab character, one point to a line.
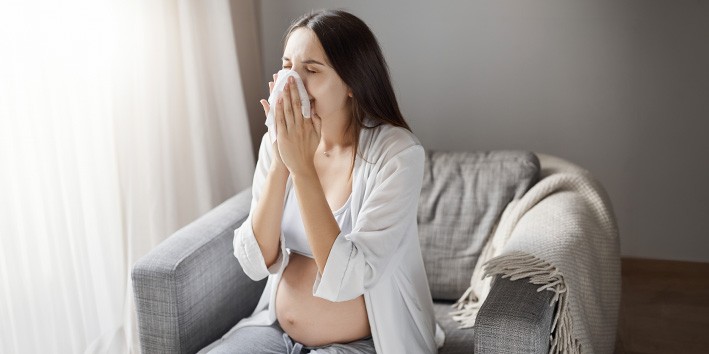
380	259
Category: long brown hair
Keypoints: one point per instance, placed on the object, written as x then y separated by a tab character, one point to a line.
357	58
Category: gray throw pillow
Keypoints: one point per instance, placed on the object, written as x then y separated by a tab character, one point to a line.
462	197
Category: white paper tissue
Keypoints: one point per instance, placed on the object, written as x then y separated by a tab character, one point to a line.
281	81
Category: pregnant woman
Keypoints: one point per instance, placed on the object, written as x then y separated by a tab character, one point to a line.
333	213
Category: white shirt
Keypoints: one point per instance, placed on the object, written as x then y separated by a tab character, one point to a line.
380	257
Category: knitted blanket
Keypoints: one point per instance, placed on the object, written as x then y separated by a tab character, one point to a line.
561	235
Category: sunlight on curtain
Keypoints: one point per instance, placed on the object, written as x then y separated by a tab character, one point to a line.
120	122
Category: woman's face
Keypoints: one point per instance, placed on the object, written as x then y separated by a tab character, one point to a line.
304	54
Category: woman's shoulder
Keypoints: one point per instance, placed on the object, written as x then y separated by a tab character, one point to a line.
266	145
387	140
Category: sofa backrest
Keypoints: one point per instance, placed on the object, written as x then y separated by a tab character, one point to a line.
462	197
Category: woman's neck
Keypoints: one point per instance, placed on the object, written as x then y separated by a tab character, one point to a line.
334	135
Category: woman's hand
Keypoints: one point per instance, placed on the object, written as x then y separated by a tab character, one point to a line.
298	137
277	163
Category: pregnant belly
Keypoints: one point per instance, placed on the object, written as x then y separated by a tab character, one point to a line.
311	320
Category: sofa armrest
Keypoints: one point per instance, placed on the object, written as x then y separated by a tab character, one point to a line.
190	289
514	318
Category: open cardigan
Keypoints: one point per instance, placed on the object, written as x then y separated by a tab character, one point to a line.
380	259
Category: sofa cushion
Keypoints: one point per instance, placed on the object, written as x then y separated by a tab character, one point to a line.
462	197
458	340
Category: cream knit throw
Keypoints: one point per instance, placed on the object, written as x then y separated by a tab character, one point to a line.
563	236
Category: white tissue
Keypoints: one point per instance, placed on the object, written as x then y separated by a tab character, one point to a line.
283	76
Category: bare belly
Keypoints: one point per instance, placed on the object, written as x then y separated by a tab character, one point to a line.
311	320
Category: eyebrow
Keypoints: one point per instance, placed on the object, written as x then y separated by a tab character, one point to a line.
309	61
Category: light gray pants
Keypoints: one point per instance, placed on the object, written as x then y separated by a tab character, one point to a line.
273	340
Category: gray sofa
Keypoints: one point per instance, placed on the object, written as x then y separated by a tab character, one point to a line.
190	289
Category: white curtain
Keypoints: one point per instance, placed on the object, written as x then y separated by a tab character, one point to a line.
120	122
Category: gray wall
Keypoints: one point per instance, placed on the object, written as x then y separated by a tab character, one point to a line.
618	87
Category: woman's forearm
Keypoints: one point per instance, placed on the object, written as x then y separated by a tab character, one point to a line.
266	221
319	222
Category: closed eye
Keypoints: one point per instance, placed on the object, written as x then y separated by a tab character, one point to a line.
288	67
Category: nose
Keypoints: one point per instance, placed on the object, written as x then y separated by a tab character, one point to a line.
303	76
301	73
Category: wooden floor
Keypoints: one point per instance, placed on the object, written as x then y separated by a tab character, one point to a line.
664	307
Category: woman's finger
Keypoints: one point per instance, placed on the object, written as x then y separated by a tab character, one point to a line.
295	100
288	107
265	105
317	123
281	125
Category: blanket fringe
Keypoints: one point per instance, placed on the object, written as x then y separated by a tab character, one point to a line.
519	265
468	307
